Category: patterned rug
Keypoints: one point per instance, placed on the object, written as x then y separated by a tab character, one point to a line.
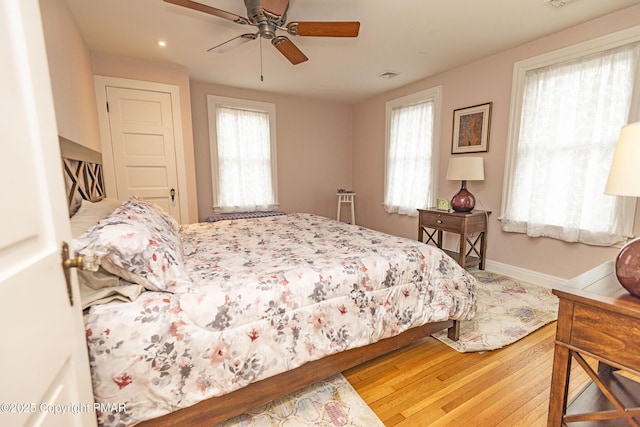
508	309
329	403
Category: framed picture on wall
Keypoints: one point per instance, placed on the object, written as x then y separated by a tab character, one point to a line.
471	129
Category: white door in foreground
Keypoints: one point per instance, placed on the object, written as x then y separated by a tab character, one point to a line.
44	368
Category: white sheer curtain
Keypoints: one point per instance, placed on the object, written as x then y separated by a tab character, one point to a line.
571	118
244	160
409	159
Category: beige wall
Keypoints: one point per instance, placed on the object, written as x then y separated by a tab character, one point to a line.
71	75
313	146
487	80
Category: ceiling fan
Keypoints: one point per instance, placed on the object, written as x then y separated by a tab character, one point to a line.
269	16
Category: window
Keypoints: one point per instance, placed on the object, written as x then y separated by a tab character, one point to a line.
243	154
567	111
411	152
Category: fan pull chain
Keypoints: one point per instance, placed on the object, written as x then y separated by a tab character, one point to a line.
261	75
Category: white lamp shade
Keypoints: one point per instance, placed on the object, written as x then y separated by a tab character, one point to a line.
624	176
466	169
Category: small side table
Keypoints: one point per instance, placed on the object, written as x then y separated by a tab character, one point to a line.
597	318
347	198
466	224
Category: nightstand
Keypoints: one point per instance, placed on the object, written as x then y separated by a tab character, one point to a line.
598	319
471	226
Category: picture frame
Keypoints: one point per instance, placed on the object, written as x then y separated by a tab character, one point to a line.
471	128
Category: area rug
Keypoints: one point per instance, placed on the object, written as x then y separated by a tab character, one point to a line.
329	403
508	310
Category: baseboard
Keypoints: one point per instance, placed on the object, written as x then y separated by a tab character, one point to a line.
524	274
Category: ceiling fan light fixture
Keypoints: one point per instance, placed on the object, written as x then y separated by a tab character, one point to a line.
267	31
388	74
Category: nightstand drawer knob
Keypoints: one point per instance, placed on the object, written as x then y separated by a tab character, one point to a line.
439	221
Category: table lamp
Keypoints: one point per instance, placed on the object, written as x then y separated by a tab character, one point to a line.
465	169
624	180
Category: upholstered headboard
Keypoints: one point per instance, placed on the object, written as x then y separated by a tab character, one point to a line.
82	168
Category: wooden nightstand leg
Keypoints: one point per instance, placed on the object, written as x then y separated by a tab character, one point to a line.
483	249
462	256
559	385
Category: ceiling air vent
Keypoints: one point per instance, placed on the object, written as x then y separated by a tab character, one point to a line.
388	74
557	3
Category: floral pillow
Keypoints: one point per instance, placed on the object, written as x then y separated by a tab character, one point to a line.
140	243
171	221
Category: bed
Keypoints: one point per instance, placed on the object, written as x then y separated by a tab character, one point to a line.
229	315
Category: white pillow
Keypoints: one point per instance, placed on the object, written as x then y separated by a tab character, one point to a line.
90	213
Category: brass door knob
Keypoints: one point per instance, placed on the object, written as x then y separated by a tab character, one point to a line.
90	262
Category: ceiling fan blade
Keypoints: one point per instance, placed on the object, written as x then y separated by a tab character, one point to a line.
275	7
210	10
289	50
324	29
234	42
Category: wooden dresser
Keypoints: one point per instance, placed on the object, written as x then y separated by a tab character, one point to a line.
597	319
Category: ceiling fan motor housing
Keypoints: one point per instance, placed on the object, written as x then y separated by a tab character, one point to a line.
256	15
254	11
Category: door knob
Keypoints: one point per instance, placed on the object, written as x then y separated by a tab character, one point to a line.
89	262
173	194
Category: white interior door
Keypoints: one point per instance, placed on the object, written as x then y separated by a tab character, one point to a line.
143	146
44	368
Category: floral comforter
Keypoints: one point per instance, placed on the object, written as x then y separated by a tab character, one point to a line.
266	295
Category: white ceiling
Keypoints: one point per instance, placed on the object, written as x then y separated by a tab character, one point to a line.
415	38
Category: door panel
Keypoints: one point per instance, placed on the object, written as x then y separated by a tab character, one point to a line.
142	140
142	146
44	360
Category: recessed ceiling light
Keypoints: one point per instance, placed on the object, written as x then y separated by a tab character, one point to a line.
162	43
388	74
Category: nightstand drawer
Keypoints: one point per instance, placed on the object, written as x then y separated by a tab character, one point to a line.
441	222
606	334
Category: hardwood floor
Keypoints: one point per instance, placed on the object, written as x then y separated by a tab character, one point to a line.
430	384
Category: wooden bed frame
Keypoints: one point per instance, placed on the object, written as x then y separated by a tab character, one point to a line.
83	176
217	409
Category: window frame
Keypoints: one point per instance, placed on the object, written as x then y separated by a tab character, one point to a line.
433	94
215	101
556	57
